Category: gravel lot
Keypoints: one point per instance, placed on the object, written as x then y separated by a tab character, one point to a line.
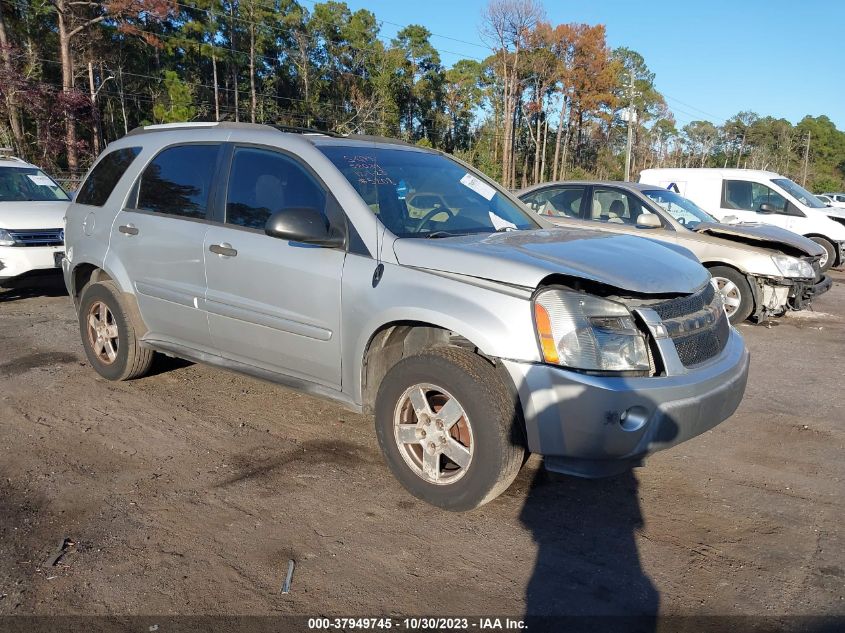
188	491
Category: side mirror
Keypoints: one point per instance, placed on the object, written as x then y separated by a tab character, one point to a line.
648	221
302	224
767	208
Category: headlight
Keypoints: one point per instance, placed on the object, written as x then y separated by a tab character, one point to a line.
585	332
793	267
6	239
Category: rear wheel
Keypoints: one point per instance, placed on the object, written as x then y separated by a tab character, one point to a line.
829	256
108	335
449	429
736	293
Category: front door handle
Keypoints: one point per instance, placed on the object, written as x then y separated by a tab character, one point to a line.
225	249
128	229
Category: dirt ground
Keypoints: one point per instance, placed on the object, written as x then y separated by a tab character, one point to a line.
188	491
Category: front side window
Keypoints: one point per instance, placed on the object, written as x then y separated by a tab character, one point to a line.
614	207
28	184
557	202
263	182
104	177
682	209
745	195
178	181
423	194
799	193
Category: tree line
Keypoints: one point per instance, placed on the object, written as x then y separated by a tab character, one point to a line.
539	102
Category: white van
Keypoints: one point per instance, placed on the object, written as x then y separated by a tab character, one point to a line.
749	195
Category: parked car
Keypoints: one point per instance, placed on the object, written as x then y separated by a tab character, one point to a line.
474	334
833	199
761	270
32	209
758	196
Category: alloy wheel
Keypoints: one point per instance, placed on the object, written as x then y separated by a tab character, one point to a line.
433	434
103	334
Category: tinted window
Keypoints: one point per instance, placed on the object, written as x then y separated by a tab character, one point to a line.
263	182
557	201
615	207
101	182
178	181
748	196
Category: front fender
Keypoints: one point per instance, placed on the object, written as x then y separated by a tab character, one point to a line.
495	319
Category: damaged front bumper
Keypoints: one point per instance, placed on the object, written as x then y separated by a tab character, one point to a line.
596	426
806	291
774	296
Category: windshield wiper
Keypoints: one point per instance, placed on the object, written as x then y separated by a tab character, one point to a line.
437	234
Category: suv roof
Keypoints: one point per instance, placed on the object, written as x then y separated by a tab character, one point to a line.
309	133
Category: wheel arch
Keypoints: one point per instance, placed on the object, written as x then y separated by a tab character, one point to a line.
85	273
394	340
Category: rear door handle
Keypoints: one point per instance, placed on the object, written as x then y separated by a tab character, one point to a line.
128	229
225	249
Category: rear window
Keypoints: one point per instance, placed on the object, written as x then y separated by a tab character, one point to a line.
103	178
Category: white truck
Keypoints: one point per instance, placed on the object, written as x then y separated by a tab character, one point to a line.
754	196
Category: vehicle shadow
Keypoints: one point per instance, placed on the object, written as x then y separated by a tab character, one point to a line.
50	285
587	574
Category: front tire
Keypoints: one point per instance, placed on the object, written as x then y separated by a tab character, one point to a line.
449	428
830	257
736	292
108	335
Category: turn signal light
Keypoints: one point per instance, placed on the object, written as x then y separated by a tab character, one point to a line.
544	332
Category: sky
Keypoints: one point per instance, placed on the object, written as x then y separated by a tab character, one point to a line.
712	58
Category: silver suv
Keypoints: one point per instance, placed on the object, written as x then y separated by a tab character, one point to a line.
399	282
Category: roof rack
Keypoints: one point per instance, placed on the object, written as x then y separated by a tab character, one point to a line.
295	129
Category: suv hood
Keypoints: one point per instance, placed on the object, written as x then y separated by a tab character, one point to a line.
525	258
763	235
33	215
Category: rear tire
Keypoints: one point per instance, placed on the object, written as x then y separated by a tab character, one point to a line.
831	252
108	335
443	403
739	301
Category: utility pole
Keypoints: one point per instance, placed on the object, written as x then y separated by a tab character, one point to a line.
806	159
630	127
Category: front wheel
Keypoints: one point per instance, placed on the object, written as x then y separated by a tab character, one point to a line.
735	291
829	256
449	429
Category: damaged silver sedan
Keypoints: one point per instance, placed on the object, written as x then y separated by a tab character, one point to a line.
762	271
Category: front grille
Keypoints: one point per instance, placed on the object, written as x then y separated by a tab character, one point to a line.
697	325
683	306
38	237
700	346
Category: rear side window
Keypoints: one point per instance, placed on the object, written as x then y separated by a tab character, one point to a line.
103	178
264	182
561	202
178	181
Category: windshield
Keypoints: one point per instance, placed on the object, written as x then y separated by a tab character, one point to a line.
28	184
683	210
421	194
799	193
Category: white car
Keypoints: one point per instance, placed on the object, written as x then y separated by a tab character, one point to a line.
749	195
32	210
833	199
